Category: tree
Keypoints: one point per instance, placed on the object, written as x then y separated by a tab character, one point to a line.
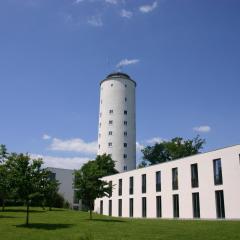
89	183
173	149
3	153
27	177
4	184
50	190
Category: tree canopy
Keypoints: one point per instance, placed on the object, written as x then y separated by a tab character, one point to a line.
88	180
170	150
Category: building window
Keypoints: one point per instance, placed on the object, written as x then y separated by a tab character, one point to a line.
131	185
110	122
100	124
175	206
158	206
112	85
158	181
144	207
110	207
101	207
131	207
125	168
99	146
217	168
125	134
220	209
125	112
196	205
110	144
125	144
125	85
100	114
111	111
99	135
110	133
125	123
175	179
110	185
124	156
120	187
194	175
125	99
144	183
119	207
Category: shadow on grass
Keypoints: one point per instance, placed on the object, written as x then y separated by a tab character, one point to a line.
6	216
107	220
45	226
23	210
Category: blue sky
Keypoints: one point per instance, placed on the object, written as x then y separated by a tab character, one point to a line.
184	56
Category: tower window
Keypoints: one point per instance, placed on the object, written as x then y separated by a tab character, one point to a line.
124	156
125	144
125	133
110	133
125	99
125	168
110	122
111	111
125	123
125	112
110	144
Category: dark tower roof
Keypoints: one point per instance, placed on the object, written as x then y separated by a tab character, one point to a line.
118	75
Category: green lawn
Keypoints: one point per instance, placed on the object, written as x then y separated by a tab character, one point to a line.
72	225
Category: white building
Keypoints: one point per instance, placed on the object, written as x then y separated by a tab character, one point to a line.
117	125
202	186
65	178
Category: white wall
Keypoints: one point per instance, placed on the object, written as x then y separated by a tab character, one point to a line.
113	91
65	178
231	180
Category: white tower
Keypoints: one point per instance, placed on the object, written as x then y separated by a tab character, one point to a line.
117	120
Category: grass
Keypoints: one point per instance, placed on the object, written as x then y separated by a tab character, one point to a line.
74	225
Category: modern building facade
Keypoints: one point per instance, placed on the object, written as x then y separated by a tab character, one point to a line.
65	177
202	186
117	121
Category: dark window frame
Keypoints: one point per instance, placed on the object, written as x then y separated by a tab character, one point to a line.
194	175
158	181
175	179
144	183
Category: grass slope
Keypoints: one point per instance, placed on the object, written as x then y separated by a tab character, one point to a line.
73	225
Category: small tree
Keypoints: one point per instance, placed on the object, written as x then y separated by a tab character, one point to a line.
173	149
88	180
50	190
27	177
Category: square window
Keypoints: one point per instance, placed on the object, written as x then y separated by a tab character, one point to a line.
110	144
125	144
110	122
110	133
111	111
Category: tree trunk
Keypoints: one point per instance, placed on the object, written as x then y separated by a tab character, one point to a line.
90	214
27	217
3	205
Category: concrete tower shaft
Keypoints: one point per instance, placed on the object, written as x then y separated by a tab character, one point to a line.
117	120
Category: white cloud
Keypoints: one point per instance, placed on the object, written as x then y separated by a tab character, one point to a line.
95	21
155	140
126	62
61	162
202	129
112	1
148	8
46	137
78	1
74	145
139	146
126	14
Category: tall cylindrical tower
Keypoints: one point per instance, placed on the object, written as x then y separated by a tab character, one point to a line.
117	120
